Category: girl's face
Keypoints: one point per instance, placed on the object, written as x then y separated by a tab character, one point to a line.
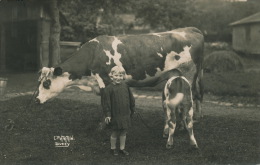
117	78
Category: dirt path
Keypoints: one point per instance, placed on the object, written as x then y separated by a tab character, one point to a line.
152	100
212	108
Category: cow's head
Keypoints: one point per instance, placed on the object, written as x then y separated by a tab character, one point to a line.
52	82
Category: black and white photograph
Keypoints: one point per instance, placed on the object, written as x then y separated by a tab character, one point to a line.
129	82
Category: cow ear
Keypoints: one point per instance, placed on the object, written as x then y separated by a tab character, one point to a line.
57	71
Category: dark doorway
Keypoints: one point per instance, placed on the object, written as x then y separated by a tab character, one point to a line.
21	46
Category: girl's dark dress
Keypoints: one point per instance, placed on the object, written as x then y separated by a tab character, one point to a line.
118	103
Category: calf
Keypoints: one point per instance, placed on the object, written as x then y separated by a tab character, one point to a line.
178	106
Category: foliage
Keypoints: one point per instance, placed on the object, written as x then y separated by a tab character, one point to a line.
233	84
166	14
212	17
84	17
31	141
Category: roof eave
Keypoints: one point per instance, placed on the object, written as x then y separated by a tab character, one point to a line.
243	23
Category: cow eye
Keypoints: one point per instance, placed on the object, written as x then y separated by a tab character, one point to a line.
46	84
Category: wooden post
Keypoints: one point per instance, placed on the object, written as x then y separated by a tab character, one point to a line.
2	49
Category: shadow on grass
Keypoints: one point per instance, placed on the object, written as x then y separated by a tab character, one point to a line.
221	140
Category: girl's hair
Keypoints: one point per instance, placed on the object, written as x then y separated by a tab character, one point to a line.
117	69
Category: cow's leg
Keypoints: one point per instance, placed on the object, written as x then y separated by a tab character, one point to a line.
198	113
101	85
189	126
100	81
172	125
197	91
200	87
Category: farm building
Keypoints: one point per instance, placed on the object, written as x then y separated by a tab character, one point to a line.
24	32
25	36
246	35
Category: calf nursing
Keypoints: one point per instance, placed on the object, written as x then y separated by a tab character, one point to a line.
178	106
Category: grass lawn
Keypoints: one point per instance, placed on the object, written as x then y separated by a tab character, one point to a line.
222	139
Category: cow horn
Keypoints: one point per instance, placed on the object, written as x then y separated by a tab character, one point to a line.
57	71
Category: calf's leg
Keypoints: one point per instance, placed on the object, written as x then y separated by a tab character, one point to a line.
172	126
166	120
189	126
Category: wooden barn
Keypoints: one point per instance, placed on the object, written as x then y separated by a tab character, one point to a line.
246	35
24	36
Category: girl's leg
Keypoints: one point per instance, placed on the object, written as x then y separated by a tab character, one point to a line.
113	139
122	139
122	142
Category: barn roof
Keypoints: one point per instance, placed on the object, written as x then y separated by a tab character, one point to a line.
251	19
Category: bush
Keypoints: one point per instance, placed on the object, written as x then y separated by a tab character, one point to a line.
223	61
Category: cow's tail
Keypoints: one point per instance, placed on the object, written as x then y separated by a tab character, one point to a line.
199	73
153	81
175	87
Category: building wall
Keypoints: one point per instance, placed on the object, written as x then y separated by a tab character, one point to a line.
238	38
14	13
254	45
246	38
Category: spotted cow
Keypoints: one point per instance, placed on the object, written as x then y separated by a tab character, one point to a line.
143	56
178	108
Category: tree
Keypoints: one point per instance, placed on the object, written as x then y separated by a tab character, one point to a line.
165	14
54	33
214	17
88	19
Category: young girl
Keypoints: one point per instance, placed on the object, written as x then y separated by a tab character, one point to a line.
118	105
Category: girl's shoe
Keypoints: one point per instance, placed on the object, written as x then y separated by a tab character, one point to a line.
124	152
114	152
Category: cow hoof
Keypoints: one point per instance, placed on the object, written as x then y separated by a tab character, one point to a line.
168	146
194	148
